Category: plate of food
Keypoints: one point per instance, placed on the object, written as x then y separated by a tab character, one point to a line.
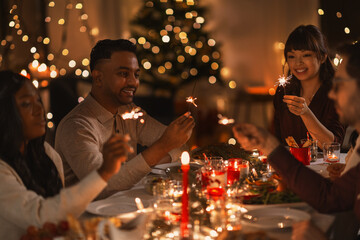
273	218
268	192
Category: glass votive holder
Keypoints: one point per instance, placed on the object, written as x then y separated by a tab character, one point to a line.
237	169
331	152
212	163
217	181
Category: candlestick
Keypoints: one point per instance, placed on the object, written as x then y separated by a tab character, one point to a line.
184	231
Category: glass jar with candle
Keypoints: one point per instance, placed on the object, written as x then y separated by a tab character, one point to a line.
216	176
237	169
331	152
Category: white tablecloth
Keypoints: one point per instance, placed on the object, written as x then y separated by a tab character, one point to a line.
320	166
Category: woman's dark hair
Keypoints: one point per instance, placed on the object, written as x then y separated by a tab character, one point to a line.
309	37
34	167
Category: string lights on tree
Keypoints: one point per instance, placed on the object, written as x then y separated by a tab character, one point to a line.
173	46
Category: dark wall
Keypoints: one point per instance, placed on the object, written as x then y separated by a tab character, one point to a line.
333	27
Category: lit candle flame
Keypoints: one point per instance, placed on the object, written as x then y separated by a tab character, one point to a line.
185	158
191	99
224	120
134	114
282	80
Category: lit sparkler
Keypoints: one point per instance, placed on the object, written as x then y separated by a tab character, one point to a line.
191	99
134	114
282	80
224	120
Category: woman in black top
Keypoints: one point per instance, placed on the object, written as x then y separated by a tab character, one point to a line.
303	105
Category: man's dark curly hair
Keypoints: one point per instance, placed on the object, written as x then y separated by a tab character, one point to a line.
105	48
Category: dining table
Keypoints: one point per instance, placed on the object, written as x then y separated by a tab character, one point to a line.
123	205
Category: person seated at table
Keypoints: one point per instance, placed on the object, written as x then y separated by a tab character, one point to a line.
321	193
351	160
303	105
32	181
81	134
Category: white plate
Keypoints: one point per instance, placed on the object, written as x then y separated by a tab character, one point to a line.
160	168
297	205
113	206
273	218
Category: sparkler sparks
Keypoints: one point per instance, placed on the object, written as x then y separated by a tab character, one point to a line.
134	114
282	80
224	120
191	99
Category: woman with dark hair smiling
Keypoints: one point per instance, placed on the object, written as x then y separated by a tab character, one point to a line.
31	173
303	105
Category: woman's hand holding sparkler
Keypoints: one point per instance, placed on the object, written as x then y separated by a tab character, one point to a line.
251	137
296	105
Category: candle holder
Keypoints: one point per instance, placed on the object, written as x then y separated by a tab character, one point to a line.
184	228
237	169
331	152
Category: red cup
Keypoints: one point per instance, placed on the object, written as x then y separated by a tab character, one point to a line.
301	154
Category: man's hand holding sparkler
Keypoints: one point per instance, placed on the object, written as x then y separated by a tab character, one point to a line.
178	132
296	105
175	135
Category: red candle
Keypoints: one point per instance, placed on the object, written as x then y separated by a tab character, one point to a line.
184	231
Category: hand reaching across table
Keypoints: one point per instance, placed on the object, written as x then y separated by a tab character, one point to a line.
335	170
249	136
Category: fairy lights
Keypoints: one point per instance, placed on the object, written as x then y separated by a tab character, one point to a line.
37	43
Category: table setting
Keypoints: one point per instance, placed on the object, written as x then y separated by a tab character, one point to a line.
219	192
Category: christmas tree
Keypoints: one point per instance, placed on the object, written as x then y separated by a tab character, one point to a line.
173	47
